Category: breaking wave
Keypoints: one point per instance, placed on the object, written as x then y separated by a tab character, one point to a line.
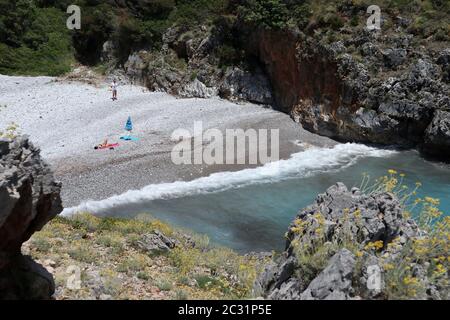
307	163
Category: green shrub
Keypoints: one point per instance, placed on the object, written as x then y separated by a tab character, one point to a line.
142	275
98	24
83	253
133	264
40	46
204	281
270	14
41	244
164	285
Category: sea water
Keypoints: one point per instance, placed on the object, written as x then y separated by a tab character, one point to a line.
250	210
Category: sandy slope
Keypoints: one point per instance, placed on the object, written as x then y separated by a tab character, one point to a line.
67	119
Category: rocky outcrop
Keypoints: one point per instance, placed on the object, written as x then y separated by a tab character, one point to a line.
254	86
187	66
135	68
347	83
366	87
344	245
437	138
196	89
29	198
156	243
335	281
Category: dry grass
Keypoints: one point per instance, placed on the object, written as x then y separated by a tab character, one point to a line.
103	255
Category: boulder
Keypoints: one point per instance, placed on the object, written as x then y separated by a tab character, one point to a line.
394	57
437	137
349	220
155	243
335	281
108	52
30	197
242	85
444	61
135	68
196	89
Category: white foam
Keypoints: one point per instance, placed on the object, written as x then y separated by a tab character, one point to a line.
310	162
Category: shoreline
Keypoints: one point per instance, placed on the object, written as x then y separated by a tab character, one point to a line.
66	119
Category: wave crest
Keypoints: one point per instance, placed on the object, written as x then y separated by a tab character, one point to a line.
312	161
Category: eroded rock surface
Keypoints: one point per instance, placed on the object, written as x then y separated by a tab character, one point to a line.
29	198
343	246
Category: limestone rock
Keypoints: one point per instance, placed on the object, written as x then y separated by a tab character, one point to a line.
437	139
135	67
335	281
345	218
30	198
196	89
156	242
242	85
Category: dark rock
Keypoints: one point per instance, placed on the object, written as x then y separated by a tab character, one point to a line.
25	279
274	276
242	85
289	290
135	67
394	57
444	61
30	198
196	89
335	281
437	138
331	91
345	218
156	243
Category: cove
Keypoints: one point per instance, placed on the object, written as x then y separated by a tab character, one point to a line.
251	210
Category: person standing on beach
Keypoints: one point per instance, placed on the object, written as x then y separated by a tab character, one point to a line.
114	89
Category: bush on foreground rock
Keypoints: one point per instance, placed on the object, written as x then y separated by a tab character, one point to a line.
364	244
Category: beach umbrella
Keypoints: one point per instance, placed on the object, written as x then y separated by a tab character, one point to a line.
129	125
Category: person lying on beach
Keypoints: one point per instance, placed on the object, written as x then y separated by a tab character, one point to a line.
104	144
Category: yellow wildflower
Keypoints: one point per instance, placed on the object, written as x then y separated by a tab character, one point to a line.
433	201
410	281
388	266
440	270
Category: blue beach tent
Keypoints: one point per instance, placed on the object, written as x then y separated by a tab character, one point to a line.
129	125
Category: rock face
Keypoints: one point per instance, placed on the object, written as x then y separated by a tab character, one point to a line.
335	281
29	198
388	96
243	85
336	246
196	89
437	138
350	84
187	66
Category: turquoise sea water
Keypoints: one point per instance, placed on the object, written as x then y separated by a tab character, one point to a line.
254	215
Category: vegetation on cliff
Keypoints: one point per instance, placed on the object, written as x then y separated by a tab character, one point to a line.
34	38
112	260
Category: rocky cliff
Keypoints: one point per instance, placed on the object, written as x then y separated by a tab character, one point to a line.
351	245
29	198
370	87
388	86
